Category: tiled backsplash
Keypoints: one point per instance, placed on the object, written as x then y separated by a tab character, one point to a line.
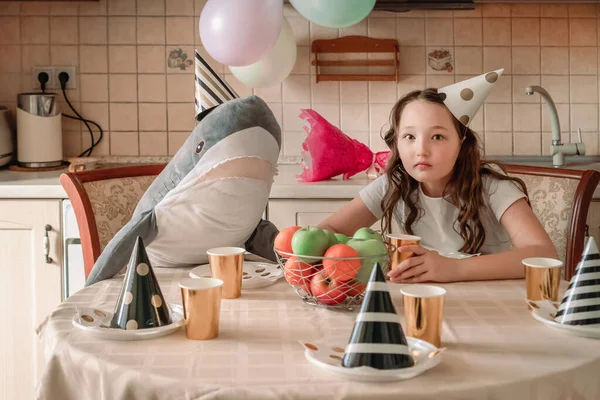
136	81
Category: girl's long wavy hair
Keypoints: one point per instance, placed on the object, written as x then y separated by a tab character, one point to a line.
465	190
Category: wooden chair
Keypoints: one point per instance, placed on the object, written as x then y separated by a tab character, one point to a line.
560	198
104	201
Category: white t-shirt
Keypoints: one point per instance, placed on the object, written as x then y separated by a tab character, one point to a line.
436	225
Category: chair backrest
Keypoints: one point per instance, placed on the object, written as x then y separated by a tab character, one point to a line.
560	198
104	201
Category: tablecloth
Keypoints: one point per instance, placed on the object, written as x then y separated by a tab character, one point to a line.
495	350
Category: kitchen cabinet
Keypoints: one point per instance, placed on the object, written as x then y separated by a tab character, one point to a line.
593	220
30	289
289	212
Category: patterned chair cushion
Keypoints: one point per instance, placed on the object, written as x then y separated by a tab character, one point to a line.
552	202
113	202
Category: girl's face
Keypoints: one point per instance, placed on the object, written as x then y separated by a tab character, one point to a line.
428	143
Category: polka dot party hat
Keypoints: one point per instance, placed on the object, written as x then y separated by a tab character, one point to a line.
141	303
464	98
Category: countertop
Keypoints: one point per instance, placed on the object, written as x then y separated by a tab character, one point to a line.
31	185
46	185
286	186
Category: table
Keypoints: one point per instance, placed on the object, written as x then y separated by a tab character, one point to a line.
495	350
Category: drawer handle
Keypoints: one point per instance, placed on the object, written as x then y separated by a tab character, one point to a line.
47	228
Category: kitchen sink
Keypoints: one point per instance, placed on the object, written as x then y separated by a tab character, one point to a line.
573	162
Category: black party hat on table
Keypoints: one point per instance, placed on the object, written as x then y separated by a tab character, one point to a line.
141	303
377	339
581	303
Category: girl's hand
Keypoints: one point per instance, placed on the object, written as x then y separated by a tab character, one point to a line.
424	266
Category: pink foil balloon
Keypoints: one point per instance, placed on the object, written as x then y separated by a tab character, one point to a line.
239	32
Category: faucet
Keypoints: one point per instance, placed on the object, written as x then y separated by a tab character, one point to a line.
557	148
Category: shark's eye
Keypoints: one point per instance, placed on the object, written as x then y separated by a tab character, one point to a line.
199	147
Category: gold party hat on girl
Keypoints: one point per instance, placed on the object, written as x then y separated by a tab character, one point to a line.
464	98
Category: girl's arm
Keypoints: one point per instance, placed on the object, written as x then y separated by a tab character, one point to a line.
350	218
527	235
529	239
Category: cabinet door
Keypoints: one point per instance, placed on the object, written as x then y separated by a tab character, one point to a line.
284	213
30	288
593	220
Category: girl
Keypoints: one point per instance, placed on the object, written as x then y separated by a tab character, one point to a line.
437	187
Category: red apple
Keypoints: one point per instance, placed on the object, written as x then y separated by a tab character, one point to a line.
298	273
353	288
341	270
327	291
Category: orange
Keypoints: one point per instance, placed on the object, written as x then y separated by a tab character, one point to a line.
341	270
283	240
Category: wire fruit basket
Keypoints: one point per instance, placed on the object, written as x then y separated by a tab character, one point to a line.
332	282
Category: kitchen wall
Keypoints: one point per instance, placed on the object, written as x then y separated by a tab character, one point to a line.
136	82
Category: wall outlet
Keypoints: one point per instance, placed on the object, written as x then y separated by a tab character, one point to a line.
72	82
35	84
53	82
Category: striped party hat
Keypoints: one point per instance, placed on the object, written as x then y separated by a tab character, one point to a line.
141	303
377	339
581	302
210	90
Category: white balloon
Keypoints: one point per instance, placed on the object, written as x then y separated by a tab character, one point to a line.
275	66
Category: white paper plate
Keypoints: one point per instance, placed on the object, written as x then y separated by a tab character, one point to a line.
96	322
256	274
328	355
545	314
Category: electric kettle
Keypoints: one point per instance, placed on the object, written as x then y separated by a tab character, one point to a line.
7	136
39	131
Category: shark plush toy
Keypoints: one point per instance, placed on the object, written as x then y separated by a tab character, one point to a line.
212	193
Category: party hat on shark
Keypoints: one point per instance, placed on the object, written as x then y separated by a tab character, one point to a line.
210	89
465	98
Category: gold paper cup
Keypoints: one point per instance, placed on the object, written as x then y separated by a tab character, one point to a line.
201	299
423	310
398	240
542	278
227	264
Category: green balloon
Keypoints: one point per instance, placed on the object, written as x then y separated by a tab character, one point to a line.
334	13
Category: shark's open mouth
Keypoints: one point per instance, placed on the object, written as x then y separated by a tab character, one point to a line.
241	167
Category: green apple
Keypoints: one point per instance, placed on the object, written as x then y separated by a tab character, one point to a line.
343	239
377	252
309	241
332	239
367	233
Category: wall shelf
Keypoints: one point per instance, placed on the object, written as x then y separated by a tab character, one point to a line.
355	44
